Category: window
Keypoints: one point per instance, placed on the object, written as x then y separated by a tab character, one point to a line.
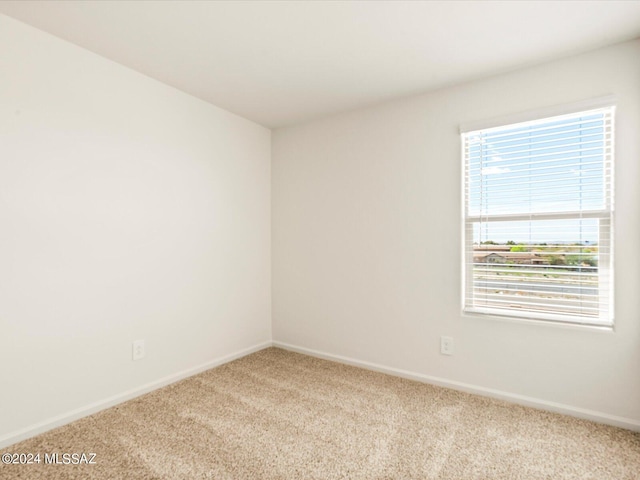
538	214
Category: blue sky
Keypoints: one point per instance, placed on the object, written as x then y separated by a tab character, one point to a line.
535	167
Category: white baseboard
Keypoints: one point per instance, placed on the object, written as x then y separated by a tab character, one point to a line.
92	408
578	412
95	407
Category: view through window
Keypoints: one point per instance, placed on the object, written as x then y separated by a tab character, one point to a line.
538	218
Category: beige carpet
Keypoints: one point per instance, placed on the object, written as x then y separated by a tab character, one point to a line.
281	415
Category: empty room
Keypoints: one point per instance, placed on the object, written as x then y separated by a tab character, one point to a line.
319	240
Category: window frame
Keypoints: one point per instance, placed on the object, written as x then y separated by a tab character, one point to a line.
604	216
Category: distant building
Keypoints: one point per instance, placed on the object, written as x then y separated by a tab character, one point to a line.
503	254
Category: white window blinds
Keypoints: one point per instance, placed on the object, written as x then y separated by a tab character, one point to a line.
538	218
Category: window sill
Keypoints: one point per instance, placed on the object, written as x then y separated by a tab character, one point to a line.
471	315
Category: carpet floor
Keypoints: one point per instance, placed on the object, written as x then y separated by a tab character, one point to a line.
281	415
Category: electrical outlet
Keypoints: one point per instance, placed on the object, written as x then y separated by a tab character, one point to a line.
138	349
446	345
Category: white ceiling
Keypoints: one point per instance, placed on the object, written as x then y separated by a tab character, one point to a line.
283	62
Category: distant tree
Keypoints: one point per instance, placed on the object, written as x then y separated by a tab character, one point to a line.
488	242
573	259
557	260
511	242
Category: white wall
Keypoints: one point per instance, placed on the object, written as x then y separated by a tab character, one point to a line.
128	210
366	244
